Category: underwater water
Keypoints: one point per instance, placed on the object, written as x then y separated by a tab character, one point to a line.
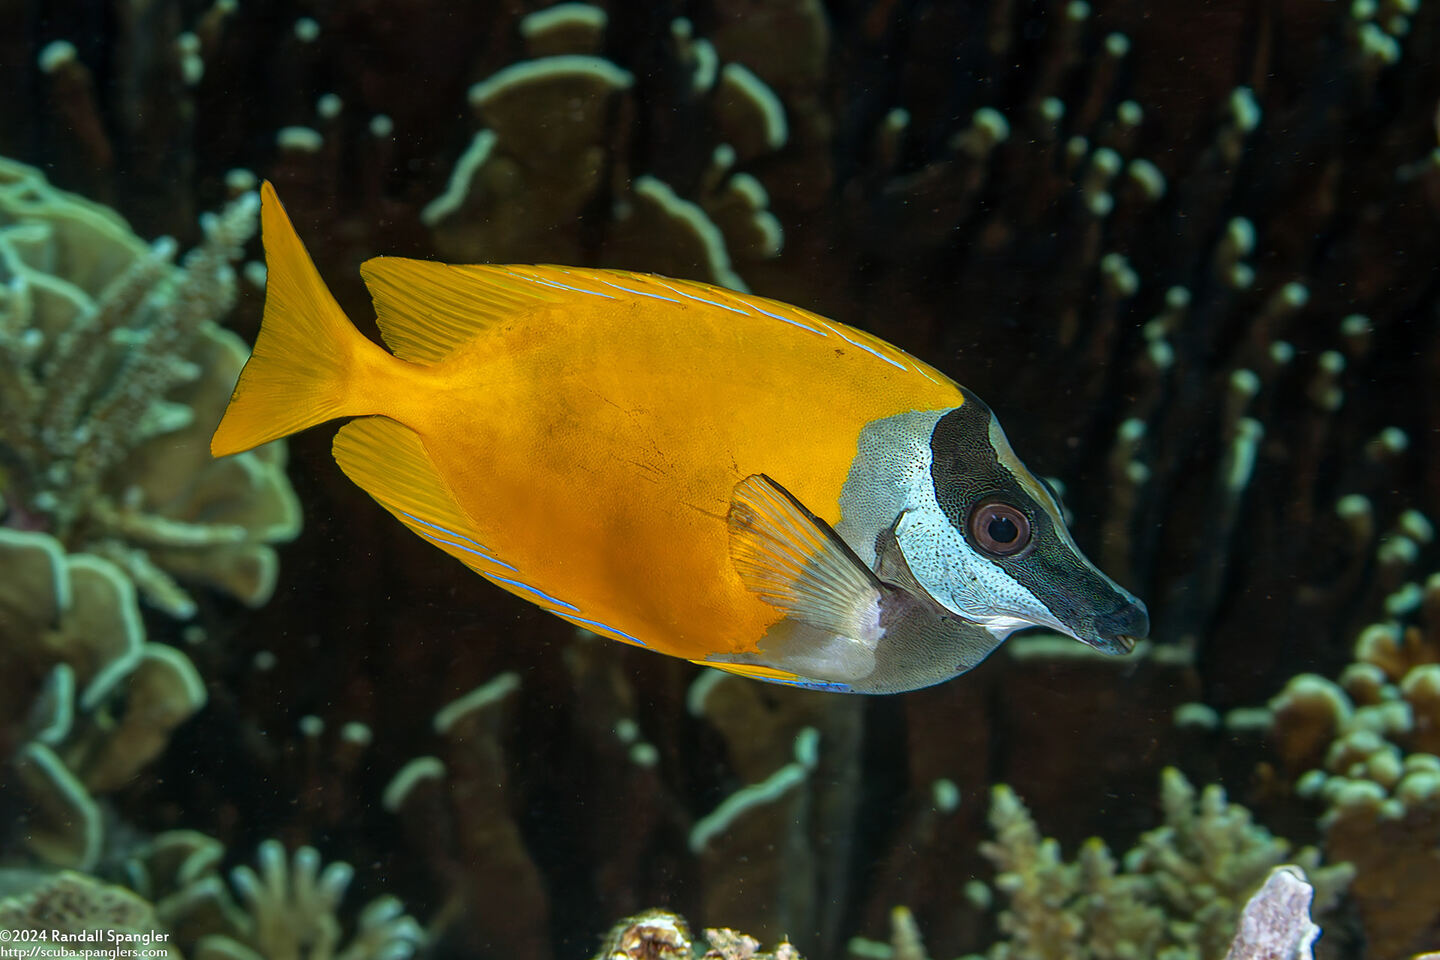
1187	254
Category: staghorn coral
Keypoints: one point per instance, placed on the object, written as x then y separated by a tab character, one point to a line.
113	376
1177	894
1274	925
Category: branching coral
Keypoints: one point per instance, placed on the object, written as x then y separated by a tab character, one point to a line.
1176	895
1275	924
112	376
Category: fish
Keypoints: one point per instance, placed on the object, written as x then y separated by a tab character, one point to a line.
709	474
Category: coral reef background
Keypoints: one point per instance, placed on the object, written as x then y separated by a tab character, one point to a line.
1187	253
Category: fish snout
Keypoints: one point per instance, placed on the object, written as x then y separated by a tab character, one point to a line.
1116	631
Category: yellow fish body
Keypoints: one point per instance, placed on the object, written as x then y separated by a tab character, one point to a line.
711	475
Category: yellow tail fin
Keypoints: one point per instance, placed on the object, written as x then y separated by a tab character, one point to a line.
301	371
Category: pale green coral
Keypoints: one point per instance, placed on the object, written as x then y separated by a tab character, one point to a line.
555	142
91	700
1175	896
112	377
288	907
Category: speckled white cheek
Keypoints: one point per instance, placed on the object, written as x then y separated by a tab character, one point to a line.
957	577
893	456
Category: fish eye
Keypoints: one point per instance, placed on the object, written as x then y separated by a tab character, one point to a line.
999	529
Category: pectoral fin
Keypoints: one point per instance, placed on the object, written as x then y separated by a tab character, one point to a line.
794	561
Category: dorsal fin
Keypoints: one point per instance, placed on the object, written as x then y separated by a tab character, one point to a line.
427	309
388	461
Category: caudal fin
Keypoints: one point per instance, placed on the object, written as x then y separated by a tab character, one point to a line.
303	365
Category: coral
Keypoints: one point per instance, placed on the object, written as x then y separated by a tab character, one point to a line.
1366	749
520	177
289	909
792	778
556	142
1177	894
113	376
1183	251
1276	920
77	905
95	745
99	703
659	935
460	812
1036	684
1274	925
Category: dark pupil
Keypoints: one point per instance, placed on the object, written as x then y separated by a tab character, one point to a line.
1002	530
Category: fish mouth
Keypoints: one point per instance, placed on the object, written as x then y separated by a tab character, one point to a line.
1115	646
1117	631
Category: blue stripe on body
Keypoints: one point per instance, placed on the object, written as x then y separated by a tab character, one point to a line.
713	303
795	323
559	286
827	685
640	293
605	626
539	593
447	532
920	369
438	541
479	551
871	350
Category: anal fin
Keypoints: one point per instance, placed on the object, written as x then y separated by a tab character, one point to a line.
388	461
754	671
795	561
